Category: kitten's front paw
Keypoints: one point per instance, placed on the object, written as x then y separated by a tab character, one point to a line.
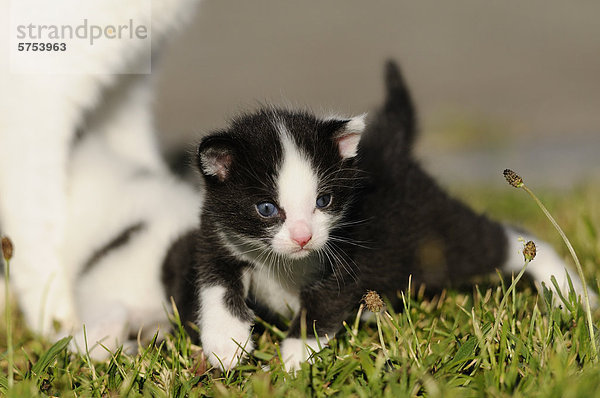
295	351
225	350
225	337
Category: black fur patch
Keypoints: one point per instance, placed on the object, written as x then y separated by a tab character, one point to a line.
120	240
179	278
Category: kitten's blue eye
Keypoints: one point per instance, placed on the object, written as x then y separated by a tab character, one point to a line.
267	209
323	201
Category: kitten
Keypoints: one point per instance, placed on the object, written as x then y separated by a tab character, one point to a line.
303	215
41	114
124	225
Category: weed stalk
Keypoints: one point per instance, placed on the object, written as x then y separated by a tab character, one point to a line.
374	303
516	181
529	254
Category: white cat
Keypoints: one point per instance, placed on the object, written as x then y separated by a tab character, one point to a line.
122	220
40	114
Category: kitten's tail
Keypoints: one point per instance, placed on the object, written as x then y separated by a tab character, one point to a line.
397	115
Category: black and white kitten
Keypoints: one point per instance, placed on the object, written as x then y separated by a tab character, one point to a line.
303	215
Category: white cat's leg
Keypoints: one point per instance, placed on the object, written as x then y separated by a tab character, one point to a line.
33	159
547	263
37	127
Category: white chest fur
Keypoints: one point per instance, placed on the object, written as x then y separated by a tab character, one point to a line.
278	292
274	282
278	286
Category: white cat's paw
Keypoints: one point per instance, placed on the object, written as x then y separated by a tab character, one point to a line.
56	309
295	351
105	330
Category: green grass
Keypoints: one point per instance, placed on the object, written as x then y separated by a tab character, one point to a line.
439	346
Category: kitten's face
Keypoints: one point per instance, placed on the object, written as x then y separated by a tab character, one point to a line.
278	183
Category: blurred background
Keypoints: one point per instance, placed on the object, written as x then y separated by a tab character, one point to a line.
497	84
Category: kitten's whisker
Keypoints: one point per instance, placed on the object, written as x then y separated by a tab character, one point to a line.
251	250
335	265
270	267
339	255
353	222
342	179
320	256
332	265
287	266
248	270
352	264
349	241
265	261
328	187
345	238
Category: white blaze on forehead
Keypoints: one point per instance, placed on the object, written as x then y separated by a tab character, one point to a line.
297	182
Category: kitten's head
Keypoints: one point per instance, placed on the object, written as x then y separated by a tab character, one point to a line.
280	181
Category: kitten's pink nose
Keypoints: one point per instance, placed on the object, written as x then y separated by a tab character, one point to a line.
300	233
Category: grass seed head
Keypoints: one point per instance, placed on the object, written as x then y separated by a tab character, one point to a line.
373	301
7	248
529	251
513	178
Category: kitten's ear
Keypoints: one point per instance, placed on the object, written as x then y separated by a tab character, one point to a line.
348	136
215	155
